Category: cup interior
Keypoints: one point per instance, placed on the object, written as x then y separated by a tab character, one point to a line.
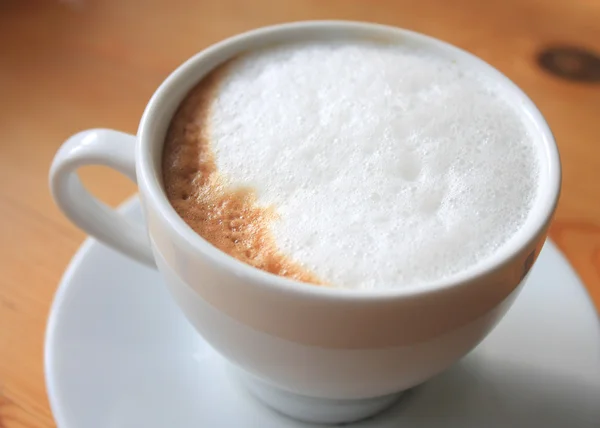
162	106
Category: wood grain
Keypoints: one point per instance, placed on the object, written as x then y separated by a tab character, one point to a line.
67	66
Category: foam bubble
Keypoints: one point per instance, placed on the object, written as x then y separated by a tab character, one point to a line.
388	167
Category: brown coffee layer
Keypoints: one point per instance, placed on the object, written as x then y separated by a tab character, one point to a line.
230	219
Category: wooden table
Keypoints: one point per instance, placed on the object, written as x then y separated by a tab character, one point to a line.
67	66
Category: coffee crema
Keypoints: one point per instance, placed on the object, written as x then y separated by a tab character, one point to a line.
352	164
228	218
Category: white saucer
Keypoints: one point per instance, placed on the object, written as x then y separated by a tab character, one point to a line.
120	355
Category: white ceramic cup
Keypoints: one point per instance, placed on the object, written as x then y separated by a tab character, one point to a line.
314	353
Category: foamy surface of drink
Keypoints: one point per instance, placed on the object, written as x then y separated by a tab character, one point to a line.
386	166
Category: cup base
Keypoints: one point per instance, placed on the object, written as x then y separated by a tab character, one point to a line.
316	410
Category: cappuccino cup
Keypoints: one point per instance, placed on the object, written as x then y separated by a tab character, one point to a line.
326	353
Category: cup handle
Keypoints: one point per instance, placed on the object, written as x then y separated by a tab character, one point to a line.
98	147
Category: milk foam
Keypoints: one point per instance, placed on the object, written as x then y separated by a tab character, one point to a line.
387	166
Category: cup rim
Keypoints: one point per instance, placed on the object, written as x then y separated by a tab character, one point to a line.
150	182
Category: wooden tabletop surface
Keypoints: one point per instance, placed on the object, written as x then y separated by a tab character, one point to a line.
66	66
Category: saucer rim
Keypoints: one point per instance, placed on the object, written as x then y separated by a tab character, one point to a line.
66	281
57	301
